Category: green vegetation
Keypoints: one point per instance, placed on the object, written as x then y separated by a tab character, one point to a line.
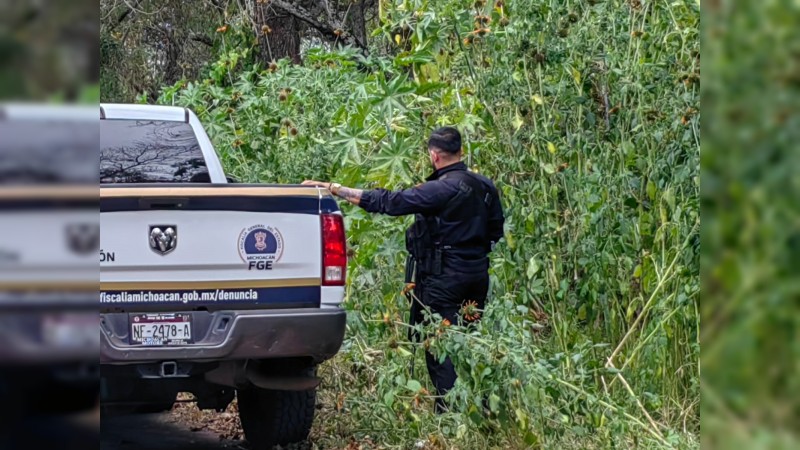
48	52
586	114
751	229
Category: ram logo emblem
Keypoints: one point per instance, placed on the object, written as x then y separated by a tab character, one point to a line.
83	238
163	238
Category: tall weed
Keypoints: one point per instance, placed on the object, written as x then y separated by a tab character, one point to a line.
586	114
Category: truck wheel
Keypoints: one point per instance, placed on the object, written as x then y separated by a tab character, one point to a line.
271	418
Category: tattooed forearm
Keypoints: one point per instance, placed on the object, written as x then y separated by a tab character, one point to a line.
351	195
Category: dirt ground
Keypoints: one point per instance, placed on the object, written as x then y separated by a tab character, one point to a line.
183	428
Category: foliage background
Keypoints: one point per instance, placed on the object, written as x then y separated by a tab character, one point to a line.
586	114
48	51
751	229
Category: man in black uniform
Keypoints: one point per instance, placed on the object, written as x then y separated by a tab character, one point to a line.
458	219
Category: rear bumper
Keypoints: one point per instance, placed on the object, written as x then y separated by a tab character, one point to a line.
234	335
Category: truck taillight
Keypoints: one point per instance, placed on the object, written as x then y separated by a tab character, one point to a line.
334	250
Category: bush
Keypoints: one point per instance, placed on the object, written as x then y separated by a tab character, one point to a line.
586	114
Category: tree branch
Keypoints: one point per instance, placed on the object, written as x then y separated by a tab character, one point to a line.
124	15
201	38
326	30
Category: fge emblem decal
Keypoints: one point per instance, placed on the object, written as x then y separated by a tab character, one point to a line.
260	247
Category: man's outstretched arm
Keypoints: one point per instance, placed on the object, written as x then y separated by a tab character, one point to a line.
350	194
424	198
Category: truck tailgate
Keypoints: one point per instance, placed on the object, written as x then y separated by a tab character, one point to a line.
210	248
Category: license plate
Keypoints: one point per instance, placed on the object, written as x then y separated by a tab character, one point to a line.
161	329
71	330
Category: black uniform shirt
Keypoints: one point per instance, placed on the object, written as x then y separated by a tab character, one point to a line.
431	197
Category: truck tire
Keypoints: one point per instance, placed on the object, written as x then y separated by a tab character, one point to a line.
271	418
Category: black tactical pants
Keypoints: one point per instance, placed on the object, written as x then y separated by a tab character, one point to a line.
446	294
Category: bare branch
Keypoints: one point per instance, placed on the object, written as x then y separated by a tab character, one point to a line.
201	38
124	15
333	33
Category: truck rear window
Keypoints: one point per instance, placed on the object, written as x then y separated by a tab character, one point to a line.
150	151
48	151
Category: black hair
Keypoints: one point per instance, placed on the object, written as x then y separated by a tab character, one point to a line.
446	139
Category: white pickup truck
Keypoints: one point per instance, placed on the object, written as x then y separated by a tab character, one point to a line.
208	286
49	237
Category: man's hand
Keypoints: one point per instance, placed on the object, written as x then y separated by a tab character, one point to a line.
351	195
321	184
